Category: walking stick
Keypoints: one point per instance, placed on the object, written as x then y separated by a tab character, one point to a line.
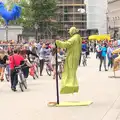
57	86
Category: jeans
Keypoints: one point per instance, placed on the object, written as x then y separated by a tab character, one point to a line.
41	66
97	55
14	79
25	70
8	69
102	60
110	62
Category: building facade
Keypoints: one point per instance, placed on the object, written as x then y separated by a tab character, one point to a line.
114	18
96	16
69	15
13	32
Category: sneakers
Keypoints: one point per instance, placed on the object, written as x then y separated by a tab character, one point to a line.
13	89
2	80
105	70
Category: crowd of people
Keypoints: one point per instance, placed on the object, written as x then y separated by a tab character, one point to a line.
104	50
13	54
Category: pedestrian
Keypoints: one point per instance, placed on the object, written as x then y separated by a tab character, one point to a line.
42	58
15	61
102	57
109	55
3	61
94	46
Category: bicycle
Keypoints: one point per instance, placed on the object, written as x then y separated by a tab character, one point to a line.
48	67
21	79
84	60
35	66
60	67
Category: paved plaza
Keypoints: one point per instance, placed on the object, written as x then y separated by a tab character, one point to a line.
94	85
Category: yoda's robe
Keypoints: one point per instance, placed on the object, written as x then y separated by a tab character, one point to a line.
69	79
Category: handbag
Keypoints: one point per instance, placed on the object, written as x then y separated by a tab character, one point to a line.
32	71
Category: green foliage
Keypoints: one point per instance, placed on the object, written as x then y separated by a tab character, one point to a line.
43	10
39	12
26	17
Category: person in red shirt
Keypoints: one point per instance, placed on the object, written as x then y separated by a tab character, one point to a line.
15	61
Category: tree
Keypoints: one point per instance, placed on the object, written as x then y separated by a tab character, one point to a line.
43	10
26	17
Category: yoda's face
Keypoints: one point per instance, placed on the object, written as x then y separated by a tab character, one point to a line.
72	31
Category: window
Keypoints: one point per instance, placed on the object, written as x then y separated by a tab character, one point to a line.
81	17
65	9
66	17
81	25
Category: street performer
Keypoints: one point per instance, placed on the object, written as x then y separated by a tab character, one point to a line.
73	46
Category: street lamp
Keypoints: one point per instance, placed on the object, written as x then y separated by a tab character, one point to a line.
107	21
81	10
36	32
66	27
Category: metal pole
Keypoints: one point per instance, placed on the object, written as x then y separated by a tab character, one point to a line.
57	86
66	33
6	32
114	29
36	36
73	16
107	24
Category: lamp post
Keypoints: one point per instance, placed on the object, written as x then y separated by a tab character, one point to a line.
36	32
107	21
114	25
114	28
6	32
66	27
82	11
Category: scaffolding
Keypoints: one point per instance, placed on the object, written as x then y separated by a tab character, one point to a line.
69	16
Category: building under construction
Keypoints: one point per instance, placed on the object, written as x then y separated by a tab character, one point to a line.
69	15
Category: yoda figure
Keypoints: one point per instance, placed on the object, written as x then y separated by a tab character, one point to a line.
73	45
